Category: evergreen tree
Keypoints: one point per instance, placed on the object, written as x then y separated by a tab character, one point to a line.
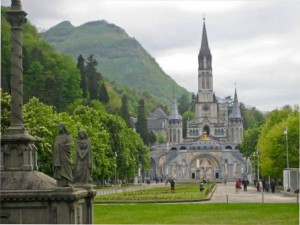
103	95
194	100
83	83
141	124
93	77
124	110
183	104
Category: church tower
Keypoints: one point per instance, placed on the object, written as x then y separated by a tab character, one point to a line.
235	126
175	124
206	105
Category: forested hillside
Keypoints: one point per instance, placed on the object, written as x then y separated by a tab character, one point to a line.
121	58
55	78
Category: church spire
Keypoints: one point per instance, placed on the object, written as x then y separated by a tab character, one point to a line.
236	113
174	115
204	57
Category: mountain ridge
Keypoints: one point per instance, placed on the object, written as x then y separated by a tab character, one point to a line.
121	58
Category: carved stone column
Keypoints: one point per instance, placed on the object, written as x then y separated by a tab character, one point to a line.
17	146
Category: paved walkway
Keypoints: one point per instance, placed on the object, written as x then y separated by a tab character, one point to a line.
224	194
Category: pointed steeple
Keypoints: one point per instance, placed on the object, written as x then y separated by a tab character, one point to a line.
236	112
204	57
174	115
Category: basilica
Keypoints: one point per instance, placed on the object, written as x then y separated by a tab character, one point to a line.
209	149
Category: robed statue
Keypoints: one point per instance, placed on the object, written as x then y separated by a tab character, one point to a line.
83	159
62	157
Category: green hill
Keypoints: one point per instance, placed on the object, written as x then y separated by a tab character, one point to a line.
121	58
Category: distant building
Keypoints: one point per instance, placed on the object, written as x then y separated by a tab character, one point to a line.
209	150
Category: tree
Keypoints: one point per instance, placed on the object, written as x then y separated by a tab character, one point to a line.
93	77
194	100
103	95
250	139
141	124
160	138
251	116
272	142
124	110
151	137
5	110
189	115
83	82
48	75
183	104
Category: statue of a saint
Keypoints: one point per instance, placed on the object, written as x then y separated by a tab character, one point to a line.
198	163
62	157
83	159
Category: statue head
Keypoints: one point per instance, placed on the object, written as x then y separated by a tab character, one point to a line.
82	134
62	129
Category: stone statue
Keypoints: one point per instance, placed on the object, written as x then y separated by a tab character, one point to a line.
83	159
198	163
62	157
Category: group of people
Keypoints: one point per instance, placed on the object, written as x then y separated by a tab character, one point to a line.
241	183
261	185
264	185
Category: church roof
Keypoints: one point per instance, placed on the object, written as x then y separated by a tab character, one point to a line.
159	113
236	113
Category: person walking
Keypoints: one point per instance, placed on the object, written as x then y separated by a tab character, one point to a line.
273	184
172	183
257	185
245	183
238	185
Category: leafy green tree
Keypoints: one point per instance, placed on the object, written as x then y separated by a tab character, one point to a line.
5	51
250	139
5	110
141	124
41	121
124	110
103	95
83	83
251	116
272	142
49	76
160	138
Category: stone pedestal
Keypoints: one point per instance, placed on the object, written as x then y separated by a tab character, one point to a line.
34	198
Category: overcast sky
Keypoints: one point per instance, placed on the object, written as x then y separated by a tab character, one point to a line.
254	44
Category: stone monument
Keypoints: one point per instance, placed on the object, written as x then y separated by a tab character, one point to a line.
27	195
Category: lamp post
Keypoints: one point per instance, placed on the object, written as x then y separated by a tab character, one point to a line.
285	132
257	154
116	154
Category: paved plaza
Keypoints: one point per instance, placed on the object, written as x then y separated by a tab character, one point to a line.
224	194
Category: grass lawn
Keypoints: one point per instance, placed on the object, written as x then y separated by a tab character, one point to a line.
182	192
198	214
